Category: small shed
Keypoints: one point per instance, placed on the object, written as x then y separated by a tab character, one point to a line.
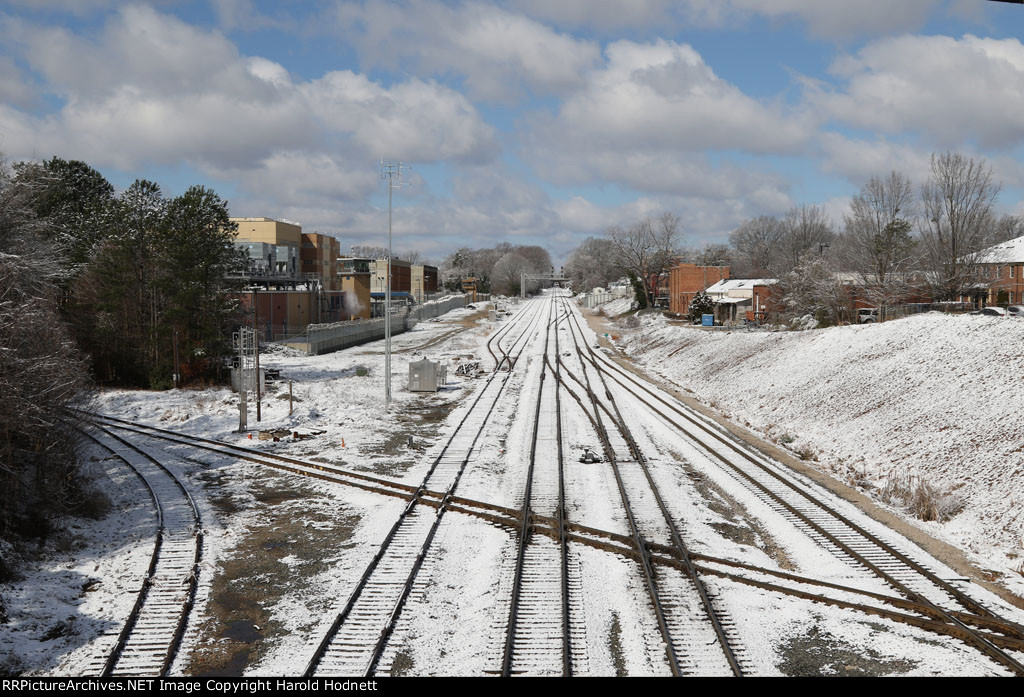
426	375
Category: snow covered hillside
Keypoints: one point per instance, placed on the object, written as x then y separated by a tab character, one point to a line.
931	398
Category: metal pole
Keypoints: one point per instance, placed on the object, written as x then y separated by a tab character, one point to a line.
387	312
256	342
177	370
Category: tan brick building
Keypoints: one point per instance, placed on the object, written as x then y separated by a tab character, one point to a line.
319	256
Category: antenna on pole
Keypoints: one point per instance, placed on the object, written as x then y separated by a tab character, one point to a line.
392	173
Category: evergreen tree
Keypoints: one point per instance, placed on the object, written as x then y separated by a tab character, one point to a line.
702	304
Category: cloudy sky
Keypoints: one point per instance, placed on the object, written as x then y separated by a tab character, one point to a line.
529	121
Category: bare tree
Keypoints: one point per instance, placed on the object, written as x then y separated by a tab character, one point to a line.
412	256
593	264
41	371
957	223
368	251
877	244
804	229
811	287
648	249
714	254
507	273
755	246
1007	228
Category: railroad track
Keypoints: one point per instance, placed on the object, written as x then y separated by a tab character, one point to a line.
794	585
151	636
803	504
698	637
542	636
359	635
550	536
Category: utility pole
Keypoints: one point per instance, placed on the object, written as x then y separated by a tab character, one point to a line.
392	172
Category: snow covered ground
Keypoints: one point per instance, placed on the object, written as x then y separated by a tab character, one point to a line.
933	398
84	583
617	306
284	552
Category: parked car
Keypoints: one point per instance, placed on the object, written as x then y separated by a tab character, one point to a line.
991	312
866	315
1015	310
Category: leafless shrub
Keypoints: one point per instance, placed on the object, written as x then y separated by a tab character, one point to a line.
631	322
920	497
806	452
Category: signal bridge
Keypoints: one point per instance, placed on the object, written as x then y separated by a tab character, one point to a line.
553	277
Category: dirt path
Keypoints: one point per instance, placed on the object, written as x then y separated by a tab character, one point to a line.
466	323
943	551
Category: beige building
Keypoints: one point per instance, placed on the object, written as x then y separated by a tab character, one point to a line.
401	276
320	258
270	231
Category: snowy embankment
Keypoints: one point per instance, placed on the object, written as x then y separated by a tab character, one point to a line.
617	306
931	398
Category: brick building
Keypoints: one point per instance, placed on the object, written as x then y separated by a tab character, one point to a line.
423	280
686	280
1001	270
401	276
354	275
319	256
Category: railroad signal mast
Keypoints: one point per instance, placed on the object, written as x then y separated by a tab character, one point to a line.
244	341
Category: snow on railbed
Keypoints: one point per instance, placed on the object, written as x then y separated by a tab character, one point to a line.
85	585
936	397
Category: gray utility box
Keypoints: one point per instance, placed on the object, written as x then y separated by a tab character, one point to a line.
425	376
236	380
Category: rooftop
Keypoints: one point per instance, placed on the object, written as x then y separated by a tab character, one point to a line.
739	284
1009	252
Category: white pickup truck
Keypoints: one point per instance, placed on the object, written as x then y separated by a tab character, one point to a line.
867	314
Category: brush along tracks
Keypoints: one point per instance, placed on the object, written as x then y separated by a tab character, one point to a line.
150	638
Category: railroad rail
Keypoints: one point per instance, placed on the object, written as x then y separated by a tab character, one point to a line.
150	638
621	545
357	638
651	542
797	502
689	647
539	632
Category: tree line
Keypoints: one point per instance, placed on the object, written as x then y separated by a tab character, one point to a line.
97	287
498	269
893	239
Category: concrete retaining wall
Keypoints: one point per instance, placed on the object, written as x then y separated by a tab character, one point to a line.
324	338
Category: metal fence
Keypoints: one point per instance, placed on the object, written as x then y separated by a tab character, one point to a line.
324	338
592	300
